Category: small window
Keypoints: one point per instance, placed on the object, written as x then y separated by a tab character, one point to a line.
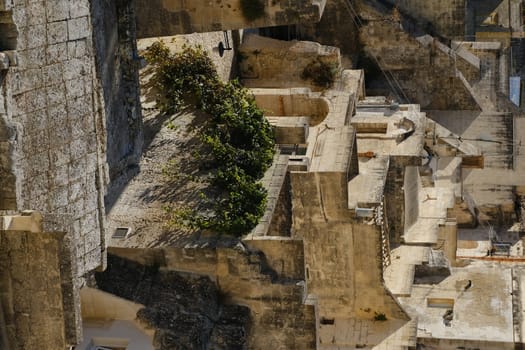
329	321
121	232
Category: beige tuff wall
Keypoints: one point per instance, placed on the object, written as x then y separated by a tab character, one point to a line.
99	305
284	255
31	291
194	260
337	27
453	344
292	102
445	17
342	257
411	188
448	240
427	73
270	63
170	17
394	197
267	281
280	319
51	107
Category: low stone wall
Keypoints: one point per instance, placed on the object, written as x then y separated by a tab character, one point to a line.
266	62
412	184
35	289
267	279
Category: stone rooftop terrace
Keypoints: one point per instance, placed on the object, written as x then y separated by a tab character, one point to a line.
368	186
482	312
405	128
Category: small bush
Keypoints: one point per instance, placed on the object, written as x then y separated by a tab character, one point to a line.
320	73
252	9
379	316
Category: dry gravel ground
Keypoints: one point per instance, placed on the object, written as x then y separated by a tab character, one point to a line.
170	146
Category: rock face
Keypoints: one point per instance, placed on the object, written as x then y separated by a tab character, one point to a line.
185	310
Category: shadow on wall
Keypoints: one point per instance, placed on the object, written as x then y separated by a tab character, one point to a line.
8	31
7	176
117	69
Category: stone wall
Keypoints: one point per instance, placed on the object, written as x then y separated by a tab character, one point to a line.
30	266
8	144
279	317
453	344
192	260
283	255
443	17
265	277
117	69
411	188
53	112
34	290
395	195
338	28
342	257
270	63
170	17
425	70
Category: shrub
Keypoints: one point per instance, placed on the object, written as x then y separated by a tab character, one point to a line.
380	316
320	73
238	137
252	9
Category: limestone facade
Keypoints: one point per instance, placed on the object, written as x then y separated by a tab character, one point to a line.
52	121
37	259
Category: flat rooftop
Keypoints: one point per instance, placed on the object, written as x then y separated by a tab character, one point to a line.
389	129
330	149
480	296
368	186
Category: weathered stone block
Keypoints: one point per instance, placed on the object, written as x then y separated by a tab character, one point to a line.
57	32
56	53
75	88
36	13
53	74
6	5
57	10
4	61
78	28
76	49
36	36
56	96
78	8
